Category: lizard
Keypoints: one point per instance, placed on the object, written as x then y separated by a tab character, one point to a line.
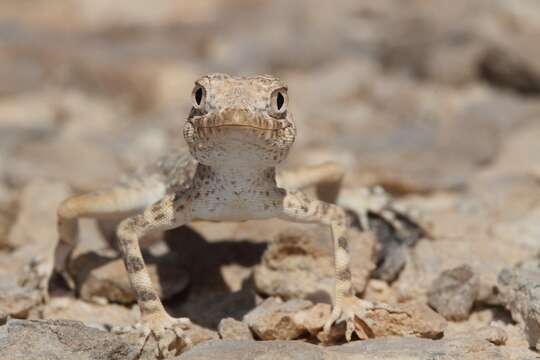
238	130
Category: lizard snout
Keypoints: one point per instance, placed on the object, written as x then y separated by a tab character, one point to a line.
237	117
240	117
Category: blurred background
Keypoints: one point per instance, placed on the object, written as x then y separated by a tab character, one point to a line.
412	94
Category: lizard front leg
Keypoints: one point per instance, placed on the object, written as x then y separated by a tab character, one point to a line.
172	211
299	207
105	204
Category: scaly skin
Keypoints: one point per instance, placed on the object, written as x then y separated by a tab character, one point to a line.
238	130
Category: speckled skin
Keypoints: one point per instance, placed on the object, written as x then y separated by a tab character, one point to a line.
238	130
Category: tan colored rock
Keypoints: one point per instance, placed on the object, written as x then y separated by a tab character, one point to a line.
454	292
61	339
275	319
459	237
231	329
489	228
496	325
91	314
199	334
314	318
17	300
519	290
299	253
267	350
380	291
493	334
471	347
422	321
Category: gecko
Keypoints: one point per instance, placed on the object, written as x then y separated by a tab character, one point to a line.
238	130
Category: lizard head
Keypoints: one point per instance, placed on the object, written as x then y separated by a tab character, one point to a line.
239	120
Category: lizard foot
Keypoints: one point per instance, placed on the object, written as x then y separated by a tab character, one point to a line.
354	312
166	332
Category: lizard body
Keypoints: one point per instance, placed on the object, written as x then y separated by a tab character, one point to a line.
239	129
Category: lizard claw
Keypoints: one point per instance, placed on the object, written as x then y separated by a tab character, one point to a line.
166	331
353	311
169	335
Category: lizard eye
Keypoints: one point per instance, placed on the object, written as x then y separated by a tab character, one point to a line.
279	101
198	96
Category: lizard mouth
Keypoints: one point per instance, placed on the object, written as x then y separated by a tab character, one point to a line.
238	118
232	126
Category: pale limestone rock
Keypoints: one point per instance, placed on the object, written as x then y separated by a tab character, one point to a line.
61	339
275	319
471	347
91	314
231	329
454	292
520	293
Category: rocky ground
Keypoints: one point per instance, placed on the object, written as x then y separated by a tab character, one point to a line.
438	102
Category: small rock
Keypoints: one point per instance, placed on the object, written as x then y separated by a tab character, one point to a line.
493	334
303	254
420	321
16	300
314	318
380	291
61	339
197	334
453	293
520	293
274	319
231	329
102	274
